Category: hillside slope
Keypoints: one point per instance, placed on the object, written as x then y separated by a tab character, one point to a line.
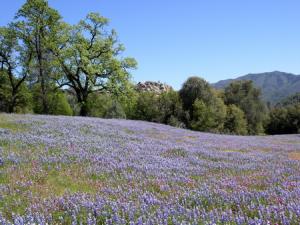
275	85
63	170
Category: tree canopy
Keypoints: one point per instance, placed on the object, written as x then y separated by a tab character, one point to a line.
89	59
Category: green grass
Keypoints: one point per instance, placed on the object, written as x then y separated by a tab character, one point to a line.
4	179
14	126
61	184
175	153
13	203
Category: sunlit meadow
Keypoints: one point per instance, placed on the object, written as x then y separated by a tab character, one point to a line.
71	170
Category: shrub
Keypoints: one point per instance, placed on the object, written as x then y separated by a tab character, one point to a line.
235	122
59	104
115	110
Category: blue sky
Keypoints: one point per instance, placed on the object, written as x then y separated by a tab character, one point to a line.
214	39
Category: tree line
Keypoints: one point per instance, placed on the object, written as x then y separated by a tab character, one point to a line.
48	66
238	109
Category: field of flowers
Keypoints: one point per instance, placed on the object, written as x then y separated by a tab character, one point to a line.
71	170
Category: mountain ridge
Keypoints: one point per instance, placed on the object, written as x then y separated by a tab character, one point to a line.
275	86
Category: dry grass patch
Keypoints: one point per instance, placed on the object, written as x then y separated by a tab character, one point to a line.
175	153
234	150
294	155
265	150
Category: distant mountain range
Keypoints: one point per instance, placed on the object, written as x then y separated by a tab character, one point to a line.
275	86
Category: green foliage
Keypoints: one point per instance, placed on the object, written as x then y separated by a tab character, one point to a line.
93	52
98	104
284	120
57	102
291	100
175	122
40	56
244	95
163	108
105	106
4	92
115	110
127	98
192	89
235	122
39	49
18	102
14	95
209	117
147	107
275	85
23	100
170	109
37	25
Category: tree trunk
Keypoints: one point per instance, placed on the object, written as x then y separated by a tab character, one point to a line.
12	104
83	102
44	95
11	108
39	50
83	109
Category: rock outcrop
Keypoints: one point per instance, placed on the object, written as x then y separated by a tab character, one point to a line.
151	86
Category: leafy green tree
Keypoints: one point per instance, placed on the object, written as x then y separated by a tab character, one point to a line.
89	58
248	98
284	120
278	121
37	26
147	107
170	109
14	93
209	117
162	108
294	118
235	122
20	103
192	89
127	98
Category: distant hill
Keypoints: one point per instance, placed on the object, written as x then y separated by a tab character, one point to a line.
275	85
